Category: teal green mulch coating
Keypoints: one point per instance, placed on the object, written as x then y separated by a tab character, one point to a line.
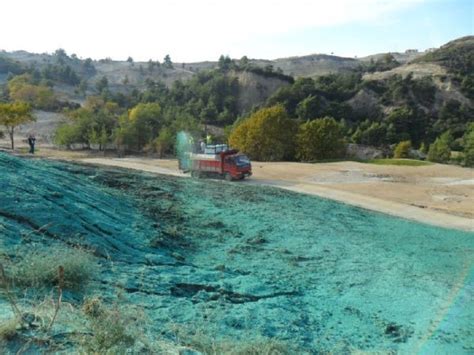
237	261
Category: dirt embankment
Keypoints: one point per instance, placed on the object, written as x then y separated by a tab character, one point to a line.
441	195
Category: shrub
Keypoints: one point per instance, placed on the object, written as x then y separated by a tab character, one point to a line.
320	139
440	151
402	150
38	268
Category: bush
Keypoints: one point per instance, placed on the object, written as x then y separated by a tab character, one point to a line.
440	151
402	150
38	268
320	139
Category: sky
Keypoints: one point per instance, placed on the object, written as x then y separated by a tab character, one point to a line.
198	30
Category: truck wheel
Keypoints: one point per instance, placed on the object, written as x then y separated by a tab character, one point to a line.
228	177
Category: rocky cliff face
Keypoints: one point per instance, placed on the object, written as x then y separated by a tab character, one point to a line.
255	89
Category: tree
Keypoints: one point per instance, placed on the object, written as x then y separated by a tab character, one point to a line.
310	107
102	84
61	55
468	143
320	139
225	63
440	150
167	63
267	135
399	122
244	62
66	135
91	124
402	150
164	141
38	96
83	87
140	126
151	65
370	134
13	115
130	60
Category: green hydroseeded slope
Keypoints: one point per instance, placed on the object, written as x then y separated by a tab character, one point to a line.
239	262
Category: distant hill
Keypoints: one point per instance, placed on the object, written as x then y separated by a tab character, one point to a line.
456	56
438	84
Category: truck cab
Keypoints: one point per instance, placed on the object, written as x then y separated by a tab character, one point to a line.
237	166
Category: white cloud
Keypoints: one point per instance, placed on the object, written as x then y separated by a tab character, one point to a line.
188	30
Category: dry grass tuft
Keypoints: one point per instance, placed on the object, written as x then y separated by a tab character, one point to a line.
202	342
39	268
9	329
112	329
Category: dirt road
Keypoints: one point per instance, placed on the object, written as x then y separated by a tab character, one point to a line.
437	194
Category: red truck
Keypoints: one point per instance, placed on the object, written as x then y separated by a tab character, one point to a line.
229	164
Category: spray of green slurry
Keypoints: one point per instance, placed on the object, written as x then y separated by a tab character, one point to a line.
184	145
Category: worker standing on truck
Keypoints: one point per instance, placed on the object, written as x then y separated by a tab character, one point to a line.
202	145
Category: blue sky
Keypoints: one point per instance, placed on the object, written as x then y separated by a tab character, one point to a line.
196	30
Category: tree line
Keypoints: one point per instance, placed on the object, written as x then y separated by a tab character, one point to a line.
403	112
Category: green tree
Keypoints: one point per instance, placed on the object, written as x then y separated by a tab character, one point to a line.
102	84
440	150
468	143
167	63
267	135
89	124
140	126
399	122
370	134
467	86
39	96
164	142
66	135
151	65
224	63
310	107
423	148
320	139
244	62
13	115
83	87
402	150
